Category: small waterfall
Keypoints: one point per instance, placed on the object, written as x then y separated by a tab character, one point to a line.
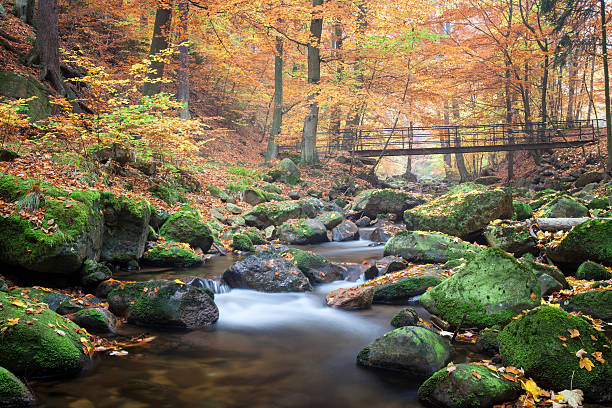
216	286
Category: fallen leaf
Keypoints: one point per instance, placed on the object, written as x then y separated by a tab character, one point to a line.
580	353
573	333
586	363
598	356
476	374
60	332
573	398
532	389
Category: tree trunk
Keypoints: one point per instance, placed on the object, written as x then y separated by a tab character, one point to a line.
309	133
336	45
590	90
182	73
445	141
604	47
463	172
510	154
46	50
277	115
159	42
25	10
571	90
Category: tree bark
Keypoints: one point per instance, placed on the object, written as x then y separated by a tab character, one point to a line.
309	133
604	47
25	10
463	172
571	90
182	74
510	155
159	42
277	115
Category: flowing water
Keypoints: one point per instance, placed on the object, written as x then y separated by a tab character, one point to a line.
267	350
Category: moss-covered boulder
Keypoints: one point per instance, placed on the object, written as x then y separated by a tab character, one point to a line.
267	271
595	303
522	211
401	291
217	192
488	341
164	304
331	219
467	386
14	393
97	320
563	207
459	212
540	269
544	342
242	242
387	201
589	241
510	237
593	271
171	253
93	273
301	232
491	288
37	342
413	349
405	317
255	235
187	227
315	267
599	203
67	231
15	86
126	227
266	214
429	247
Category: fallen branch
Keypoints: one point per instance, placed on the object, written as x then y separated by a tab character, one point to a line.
561	224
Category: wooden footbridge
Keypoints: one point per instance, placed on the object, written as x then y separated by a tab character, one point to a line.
426	140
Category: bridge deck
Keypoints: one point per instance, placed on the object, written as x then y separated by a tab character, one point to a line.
413	141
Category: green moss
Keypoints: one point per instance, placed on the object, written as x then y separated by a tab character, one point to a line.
533	342
255	236
135	206
595	303
522	211
13	393
593	271
242	242
217	192
599	204
404	289
172	254
38	349
186	227
587	241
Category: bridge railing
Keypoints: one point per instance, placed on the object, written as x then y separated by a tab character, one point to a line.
455	136
427	137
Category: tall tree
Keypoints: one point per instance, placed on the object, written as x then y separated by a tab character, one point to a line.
46	49
182	74
159	43
25	10
604	55
277	115
309	133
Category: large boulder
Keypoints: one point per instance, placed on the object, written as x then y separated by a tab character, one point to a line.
522	211
97	320
460	212
563	207
595	303
289	172
413	349
490	289
331	219
68	231
467	386
37	342
401	291
13	85
126	227
511	237
267	214
405	317
315	267
388	201
173	254
93	273
346	231
266	271
355	298
302	232
545	342
164	304
429	247
593	271
588	178
187	227
589	241
14	393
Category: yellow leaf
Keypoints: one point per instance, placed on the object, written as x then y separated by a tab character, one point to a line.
598	356
12	321
573	333
586	362
18	303
532	389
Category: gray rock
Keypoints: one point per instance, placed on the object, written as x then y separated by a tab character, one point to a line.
346	231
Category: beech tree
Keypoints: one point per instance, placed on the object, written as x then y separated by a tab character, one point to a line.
159	43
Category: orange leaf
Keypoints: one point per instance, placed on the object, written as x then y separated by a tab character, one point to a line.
476	374
573	333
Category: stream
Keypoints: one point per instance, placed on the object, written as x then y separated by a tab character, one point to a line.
267	350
